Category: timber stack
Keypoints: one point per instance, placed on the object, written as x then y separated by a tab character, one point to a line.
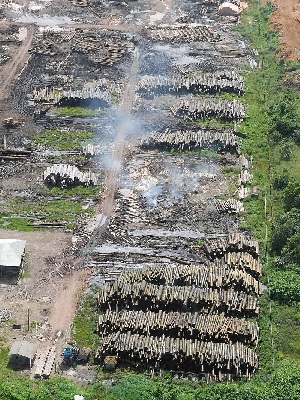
206	108
222	140
214	82
91	150
234	242
175	324
229	206
217	360
64	176
189	318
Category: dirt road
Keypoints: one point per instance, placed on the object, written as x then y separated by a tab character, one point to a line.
11	69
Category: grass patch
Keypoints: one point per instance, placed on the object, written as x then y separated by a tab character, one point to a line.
62	140
52	210
80	191
85	324
287	328
230	171
78	111
15	224
214	123
197	152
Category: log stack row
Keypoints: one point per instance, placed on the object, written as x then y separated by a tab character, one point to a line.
213	276
210	358
63	176
234	242
176	324
206	108
143	295
223	140
230	206
214	82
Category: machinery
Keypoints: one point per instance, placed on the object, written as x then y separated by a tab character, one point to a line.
70	354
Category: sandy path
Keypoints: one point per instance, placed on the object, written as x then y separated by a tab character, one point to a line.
64	307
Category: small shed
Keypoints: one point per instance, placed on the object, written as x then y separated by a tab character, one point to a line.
110	363
228	9
11	256
22	352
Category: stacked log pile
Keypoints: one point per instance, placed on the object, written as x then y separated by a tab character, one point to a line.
183	33
63	176
90	150
234	242
215	82
141	295
243	192
216	359
214	276
188	140
229	206
101	89
245	177
175	324
189	318
44	362
206	108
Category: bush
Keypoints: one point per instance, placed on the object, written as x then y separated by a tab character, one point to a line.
285	227
292	194
284	287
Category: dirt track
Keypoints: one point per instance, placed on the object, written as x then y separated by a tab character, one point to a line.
11	70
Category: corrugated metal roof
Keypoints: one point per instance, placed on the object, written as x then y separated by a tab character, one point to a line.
23	348
11	251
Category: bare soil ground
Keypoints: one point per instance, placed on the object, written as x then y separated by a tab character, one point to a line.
41	287
287	18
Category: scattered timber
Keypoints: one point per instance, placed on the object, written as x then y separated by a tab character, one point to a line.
14	154
183	33
63	176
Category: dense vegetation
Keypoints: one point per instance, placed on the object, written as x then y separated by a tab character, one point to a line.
272	138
